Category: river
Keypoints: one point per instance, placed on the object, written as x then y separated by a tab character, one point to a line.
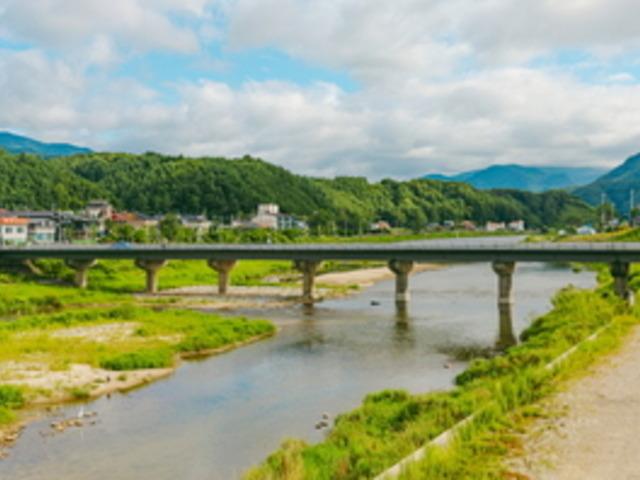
215	418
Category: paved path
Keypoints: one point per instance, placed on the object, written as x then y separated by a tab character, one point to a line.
599	437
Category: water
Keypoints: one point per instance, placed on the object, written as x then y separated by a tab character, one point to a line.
214	418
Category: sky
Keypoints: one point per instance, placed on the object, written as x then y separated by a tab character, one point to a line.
376	88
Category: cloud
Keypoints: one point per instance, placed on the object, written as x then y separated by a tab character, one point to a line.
138	25
443	85
377	41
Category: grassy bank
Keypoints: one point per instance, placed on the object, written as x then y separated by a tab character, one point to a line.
40	352
58	342
504	390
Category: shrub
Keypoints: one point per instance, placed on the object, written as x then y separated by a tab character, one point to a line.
160	358
11	396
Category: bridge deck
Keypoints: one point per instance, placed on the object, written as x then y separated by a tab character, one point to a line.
424	251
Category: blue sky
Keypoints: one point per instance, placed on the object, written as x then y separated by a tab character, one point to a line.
329	87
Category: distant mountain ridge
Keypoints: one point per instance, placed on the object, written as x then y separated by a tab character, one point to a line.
521	177
13	143
617	185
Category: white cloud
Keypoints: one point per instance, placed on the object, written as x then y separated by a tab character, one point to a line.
445	84
138	25
376	41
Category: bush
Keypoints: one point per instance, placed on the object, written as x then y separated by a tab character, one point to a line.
11	397
161	358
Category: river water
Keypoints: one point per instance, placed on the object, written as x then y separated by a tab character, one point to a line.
215	418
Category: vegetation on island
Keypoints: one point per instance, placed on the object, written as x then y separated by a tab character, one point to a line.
47	325
502	392
223	189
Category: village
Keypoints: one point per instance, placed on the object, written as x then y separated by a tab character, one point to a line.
100	221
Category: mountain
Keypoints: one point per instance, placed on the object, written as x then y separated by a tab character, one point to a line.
18	144
520	177
617	186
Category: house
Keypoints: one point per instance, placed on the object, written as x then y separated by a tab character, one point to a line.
380	227
495	226
586	230
468	225
43	226
99	211
199	223
517	226
267	216
13	231
42	231
135	220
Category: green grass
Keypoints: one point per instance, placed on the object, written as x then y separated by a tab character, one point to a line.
150	358
157	336
11	397
123	277
392	424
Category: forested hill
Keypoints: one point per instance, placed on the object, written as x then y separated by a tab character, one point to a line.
153	183
617	186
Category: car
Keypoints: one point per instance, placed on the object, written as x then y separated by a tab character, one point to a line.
121	245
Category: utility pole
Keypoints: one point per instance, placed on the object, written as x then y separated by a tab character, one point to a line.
602	212
632	206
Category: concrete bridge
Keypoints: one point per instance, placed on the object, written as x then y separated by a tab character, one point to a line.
307	258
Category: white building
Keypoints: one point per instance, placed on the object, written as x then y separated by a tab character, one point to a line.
586	230
517	226
13	231
99	211
198	223
495	226
267	216
42	231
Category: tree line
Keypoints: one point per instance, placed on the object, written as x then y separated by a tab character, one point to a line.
223	189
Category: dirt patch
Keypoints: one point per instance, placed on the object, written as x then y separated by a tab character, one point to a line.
79	381
105	333
594	425
366	277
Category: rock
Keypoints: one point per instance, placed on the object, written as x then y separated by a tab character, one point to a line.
375	303
447	366
325	416
321	424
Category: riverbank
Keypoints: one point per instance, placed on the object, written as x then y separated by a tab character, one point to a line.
85	353
590	430
502	392
37	357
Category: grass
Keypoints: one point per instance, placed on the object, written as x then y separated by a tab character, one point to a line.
135	337
392	424
11	398
149	358
123	277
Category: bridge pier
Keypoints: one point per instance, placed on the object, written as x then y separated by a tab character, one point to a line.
402	269
81	267
151	267
309	269
504	270
620	273
223	267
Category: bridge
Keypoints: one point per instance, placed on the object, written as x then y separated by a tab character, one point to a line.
307	258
